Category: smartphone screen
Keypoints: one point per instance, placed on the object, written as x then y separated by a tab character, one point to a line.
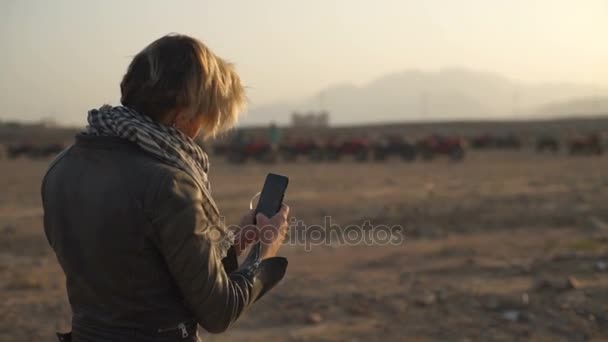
272	194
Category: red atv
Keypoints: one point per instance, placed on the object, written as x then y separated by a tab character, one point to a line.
547	143
487	141
220	148
393	145
588	145
258	150
309	148
359	148
482	142
437	145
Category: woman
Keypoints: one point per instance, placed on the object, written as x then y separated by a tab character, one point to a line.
128	212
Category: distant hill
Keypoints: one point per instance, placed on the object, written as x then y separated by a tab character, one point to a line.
576	107
451	93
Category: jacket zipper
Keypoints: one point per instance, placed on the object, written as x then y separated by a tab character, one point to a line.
181	327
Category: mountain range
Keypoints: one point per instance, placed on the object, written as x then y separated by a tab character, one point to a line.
447	94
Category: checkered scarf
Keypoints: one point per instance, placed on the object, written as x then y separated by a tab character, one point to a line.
163	142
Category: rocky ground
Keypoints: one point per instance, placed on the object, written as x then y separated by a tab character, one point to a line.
503	246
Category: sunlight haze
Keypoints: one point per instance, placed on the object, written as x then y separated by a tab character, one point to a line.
61	58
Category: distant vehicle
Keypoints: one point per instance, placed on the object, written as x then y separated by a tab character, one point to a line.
436	145
51	150
220	148
393	145
487	141
258	150
307	148
18	150
30	150
482	142
359	148
509	141
547	143
586	145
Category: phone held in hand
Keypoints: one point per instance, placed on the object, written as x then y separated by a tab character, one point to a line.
271	200
271	197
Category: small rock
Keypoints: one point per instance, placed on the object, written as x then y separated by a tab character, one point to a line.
601	266
512	315
525	298
427	299
559	284
574	283
314	318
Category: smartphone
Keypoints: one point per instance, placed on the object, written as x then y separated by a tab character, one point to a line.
271	199
272	195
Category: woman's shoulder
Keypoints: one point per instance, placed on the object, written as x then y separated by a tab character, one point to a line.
124	154
114	160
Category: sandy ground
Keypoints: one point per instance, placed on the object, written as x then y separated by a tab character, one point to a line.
503	246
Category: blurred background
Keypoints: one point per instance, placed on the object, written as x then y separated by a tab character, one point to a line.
478	127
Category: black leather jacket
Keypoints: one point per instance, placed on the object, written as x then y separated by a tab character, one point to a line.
129	233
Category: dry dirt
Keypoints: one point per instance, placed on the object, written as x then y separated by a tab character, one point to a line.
503	246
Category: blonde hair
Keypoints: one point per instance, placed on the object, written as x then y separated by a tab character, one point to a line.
177	71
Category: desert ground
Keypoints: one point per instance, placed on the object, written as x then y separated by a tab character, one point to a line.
503	246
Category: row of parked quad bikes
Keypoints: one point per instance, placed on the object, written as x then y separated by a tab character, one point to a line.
30	150
363	149
360	149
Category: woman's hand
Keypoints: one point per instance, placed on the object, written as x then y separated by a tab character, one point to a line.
272	232
247	234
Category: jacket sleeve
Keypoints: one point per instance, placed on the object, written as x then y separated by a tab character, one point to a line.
231	261
185	227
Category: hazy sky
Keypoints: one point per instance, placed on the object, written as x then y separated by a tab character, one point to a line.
63	57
